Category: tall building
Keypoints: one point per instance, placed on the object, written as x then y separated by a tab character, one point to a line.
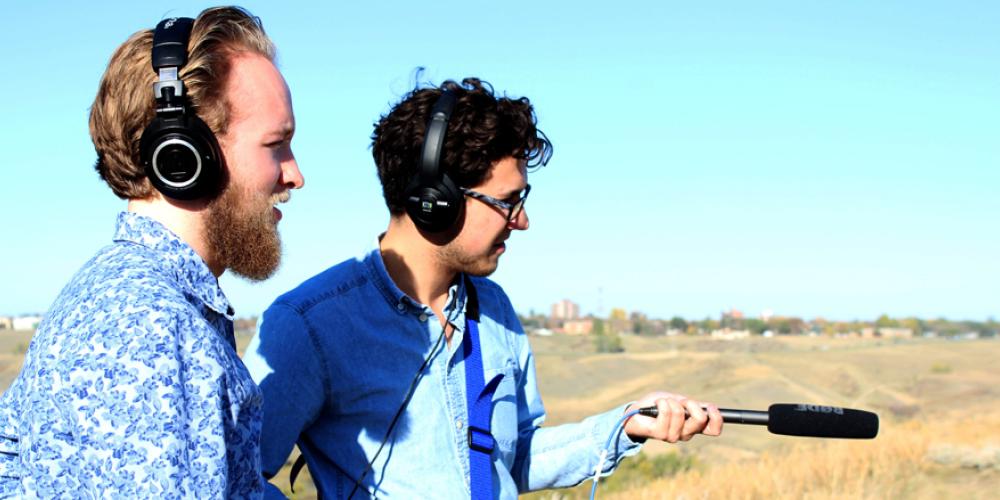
565	309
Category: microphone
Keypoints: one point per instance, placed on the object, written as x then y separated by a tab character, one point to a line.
802	420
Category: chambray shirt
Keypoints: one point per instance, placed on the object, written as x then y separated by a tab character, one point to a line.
335	356
131	387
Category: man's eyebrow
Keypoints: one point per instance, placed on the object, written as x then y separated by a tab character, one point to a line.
284	131
512	192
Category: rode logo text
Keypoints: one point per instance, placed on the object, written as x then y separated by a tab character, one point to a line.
819	409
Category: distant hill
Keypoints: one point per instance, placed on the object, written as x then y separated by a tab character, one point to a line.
938	400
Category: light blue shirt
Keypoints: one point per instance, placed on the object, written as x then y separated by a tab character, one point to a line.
335	356
132	387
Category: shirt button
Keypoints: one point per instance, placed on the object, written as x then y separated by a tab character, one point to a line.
458	424
400	306
423	317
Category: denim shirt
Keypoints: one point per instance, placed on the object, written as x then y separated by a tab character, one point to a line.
335	356
132	387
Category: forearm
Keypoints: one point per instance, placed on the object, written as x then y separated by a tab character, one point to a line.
566	455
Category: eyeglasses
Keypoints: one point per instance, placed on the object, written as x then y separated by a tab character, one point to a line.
513	209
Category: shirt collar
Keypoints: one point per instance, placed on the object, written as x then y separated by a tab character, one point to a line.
191	270
454	307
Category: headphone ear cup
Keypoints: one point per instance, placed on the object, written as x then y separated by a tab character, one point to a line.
181	157
434	207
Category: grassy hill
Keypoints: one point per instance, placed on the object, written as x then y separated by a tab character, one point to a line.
938	400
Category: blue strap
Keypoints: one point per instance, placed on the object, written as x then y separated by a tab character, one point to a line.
479	398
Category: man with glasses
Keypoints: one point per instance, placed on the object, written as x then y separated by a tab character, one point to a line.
404	372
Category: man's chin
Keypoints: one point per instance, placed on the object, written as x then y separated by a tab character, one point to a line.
254	275
483	269
260	257
249	246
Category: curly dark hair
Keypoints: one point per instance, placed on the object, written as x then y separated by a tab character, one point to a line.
483	130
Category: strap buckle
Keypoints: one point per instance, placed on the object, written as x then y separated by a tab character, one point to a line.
481	440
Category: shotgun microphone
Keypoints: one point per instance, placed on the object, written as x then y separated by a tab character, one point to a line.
802	420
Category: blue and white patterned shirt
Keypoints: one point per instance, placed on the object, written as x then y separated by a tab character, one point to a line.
132	387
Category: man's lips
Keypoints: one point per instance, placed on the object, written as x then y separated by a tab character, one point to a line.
275	200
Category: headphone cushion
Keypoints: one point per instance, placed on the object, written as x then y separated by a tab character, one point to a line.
181	157
434	207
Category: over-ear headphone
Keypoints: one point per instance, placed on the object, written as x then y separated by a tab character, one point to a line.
433	201
179	152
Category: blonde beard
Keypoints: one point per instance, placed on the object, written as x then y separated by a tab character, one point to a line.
242	233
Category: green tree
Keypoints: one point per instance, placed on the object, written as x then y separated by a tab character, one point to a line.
608	343
913	324
598	327
605	341
678	323
884	321
756	326
707	325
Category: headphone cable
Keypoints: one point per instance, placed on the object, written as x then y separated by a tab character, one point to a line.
619	427
399	412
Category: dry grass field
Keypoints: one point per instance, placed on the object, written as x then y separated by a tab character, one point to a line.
938	400
939	403
13	345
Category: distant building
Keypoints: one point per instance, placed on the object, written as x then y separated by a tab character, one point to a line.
766	315
565	310
728	334
895	333
578	327
6	323
733	318
26	322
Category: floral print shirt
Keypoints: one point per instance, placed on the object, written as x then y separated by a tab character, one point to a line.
132	387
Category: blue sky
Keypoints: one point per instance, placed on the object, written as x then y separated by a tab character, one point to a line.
834	159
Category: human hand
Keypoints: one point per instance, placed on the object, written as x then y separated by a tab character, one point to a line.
679	418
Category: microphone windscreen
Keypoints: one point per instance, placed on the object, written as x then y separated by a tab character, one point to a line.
821	421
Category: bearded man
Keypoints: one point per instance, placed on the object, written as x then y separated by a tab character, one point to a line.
132	386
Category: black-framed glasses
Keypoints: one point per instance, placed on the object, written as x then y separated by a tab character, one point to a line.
513	209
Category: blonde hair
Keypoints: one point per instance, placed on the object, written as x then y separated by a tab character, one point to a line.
125	105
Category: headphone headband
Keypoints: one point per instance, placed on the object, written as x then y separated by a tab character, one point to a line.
437	126
179	152
433	201
170	41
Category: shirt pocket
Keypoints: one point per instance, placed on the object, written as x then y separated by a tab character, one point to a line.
504	424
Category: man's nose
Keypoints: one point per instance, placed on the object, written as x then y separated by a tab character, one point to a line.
520	222
291	176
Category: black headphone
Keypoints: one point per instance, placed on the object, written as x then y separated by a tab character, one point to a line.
433	201
179	152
